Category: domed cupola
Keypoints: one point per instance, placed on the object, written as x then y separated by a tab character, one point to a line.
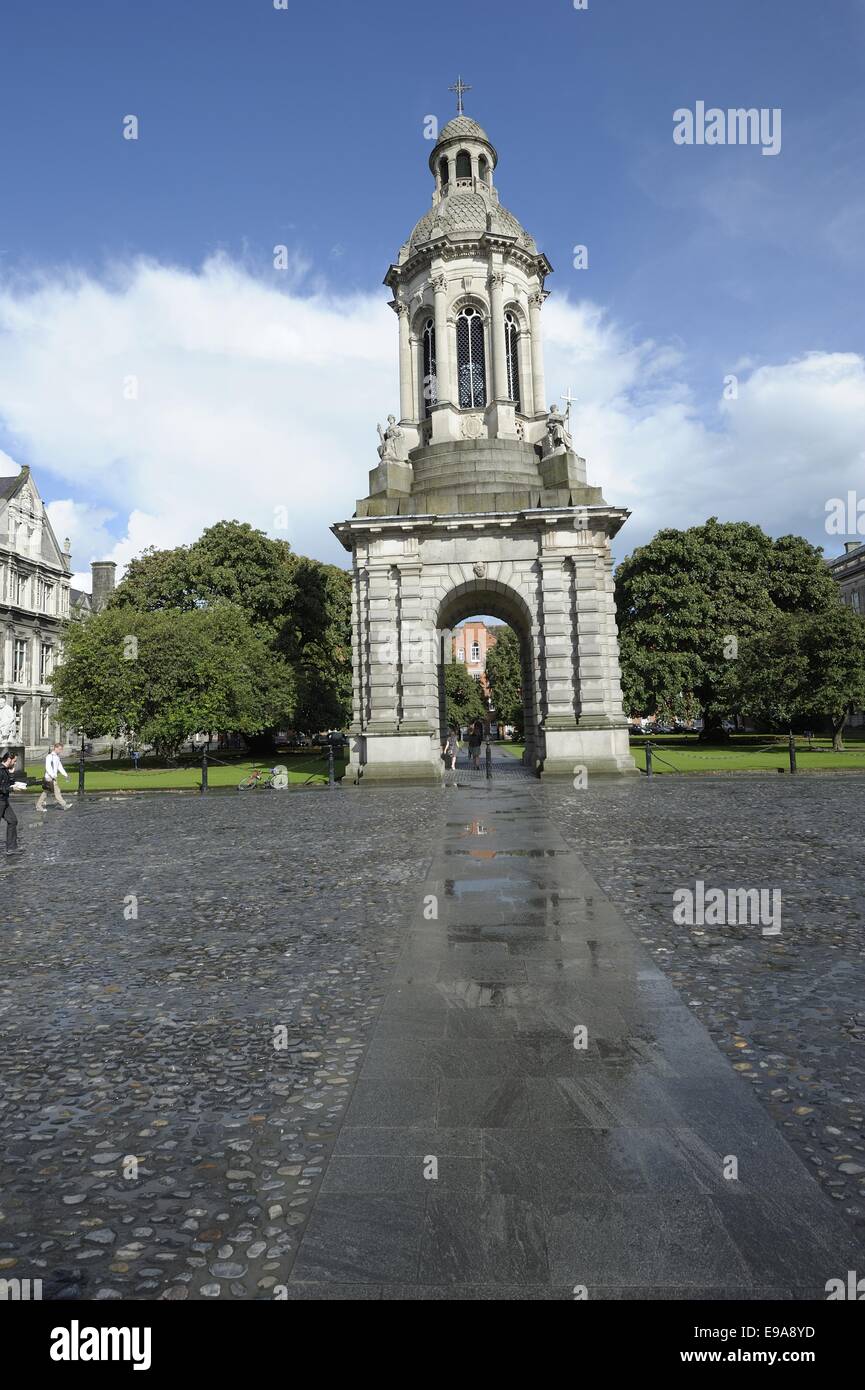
468	287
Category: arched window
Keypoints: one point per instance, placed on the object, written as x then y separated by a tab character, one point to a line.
471	365
464	165
430	382
483	169
512	358
444	172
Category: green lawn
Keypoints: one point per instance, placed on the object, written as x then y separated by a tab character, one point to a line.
100	776
760	752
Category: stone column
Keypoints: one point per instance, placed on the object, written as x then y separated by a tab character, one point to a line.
439	285
497	326
538	388
406	393
416	650
592	635
383	653
558	644
526	384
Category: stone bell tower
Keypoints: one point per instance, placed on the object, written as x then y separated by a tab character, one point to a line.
479	503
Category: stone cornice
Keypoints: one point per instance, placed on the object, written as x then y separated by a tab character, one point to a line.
451	248
596	518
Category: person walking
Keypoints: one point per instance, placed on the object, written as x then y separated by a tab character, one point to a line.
53	769
449	751
476	738
7	785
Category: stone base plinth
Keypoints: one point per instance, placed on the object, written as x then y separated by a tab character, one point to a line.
391	478
394	758
600	751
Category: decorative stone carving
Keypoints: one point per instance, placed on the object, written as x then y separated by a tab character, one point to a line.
8	723
392	448
479	569
472	427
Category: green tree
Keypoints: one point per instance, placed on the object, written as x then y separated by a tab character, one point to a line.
463	700
316	641
230	561
168	674
805	665
504	674
688	598
298	606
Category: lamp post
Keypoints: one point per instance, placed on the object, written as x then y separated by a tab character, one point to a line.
81	767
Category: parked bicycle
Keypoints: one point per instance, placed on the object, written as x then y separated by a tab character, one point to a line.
268	779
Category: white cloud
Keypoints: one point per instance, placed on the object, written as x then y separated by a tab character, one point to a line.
252	396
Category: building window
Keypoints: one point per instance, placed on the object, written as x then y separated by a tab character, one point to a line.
430	381
19	663
857	602
471	363
512	339
46	664
461	656
483	168
444	173
45	721
464	165
20	590
476	651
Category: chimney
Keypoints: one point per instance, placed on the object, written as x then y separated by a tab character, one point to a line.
103	582
851	545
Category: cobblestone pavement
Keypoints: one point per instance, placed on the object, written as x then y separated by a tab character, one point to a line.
280	944
154	1037
788	1012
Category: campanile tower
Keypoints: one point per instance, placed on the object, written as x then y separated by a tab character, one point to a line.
479	503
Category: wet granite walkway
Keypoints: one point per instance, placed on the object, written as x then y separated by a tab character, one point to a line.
487	1153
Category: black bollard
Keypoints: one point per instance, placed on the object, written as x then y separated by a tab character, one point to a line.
792	754
204	770
330	777
489	761
648	758
81	770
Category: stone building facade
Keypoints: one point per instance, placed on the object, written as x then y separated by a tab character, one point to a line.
34	603
479	502
469	645
848	571
36	599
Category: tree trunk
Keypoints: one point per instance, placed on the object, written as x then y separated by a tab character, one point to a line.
713	730
838	722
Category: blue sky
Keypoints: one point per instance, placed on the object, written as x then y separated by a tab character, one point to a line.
305	127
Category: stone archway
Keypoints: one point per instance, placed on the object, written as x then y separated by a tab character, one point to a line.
502	602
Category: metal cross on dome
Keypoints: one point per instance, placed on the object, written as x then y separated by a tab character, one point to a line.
459	87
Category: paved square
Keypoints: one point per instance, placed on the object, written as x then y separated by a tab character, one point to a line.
321	1044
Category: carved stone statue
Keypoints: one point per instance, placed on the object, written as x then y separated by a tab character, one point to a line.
8	723
557	436
392	448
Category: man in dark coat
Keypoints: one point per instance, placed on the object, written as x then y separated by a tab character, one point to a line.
7	781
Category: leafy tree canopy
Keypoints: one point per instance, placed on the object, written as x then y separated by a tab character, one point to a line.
504	673
809	665
462	695
298	606
167	674
685	595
